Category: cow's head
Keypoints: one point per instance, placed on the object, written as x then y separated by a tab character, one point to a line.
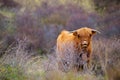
84	35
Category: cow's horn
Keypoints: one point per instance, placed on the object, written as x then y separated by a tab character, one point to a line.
93	30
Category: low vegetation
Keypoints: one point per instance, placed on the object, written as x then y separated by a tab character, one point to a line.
28	32
21	64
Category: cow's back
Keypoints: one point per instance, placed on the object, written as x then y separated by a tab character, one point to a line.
64	42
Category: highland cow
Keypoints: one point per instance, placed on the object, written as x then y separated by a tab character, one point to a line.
78	43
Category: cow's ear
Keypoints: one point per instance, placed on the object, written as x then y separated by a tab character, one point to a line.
95	31
75	33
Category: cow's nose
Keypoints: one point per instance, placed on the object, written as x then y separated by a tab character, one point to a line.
84	43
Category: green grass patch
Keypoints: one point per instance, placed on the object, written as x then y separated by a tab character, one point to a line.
7	13
8	72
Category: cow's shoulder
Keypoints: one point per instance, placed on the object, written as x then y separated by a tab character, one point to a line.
65	36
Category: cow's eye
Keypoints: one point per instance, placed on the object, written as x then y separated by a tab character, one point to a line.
78	36
90	35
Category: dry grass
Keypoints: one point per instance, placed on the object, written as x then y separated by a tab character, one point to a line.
23	59
106	57
35	67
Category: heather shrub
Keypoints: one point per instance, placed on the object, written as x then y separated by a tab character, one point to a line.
83	19
105	57
8	3
28	29
105	62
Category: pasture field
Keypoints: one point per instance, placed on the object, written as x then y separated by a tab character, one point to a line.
29	29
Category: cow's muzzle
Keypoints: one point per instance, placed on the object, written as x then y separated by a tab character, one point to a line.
84	44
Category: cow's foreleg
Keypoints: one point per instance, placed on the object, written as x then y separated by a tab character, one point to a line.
88	60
